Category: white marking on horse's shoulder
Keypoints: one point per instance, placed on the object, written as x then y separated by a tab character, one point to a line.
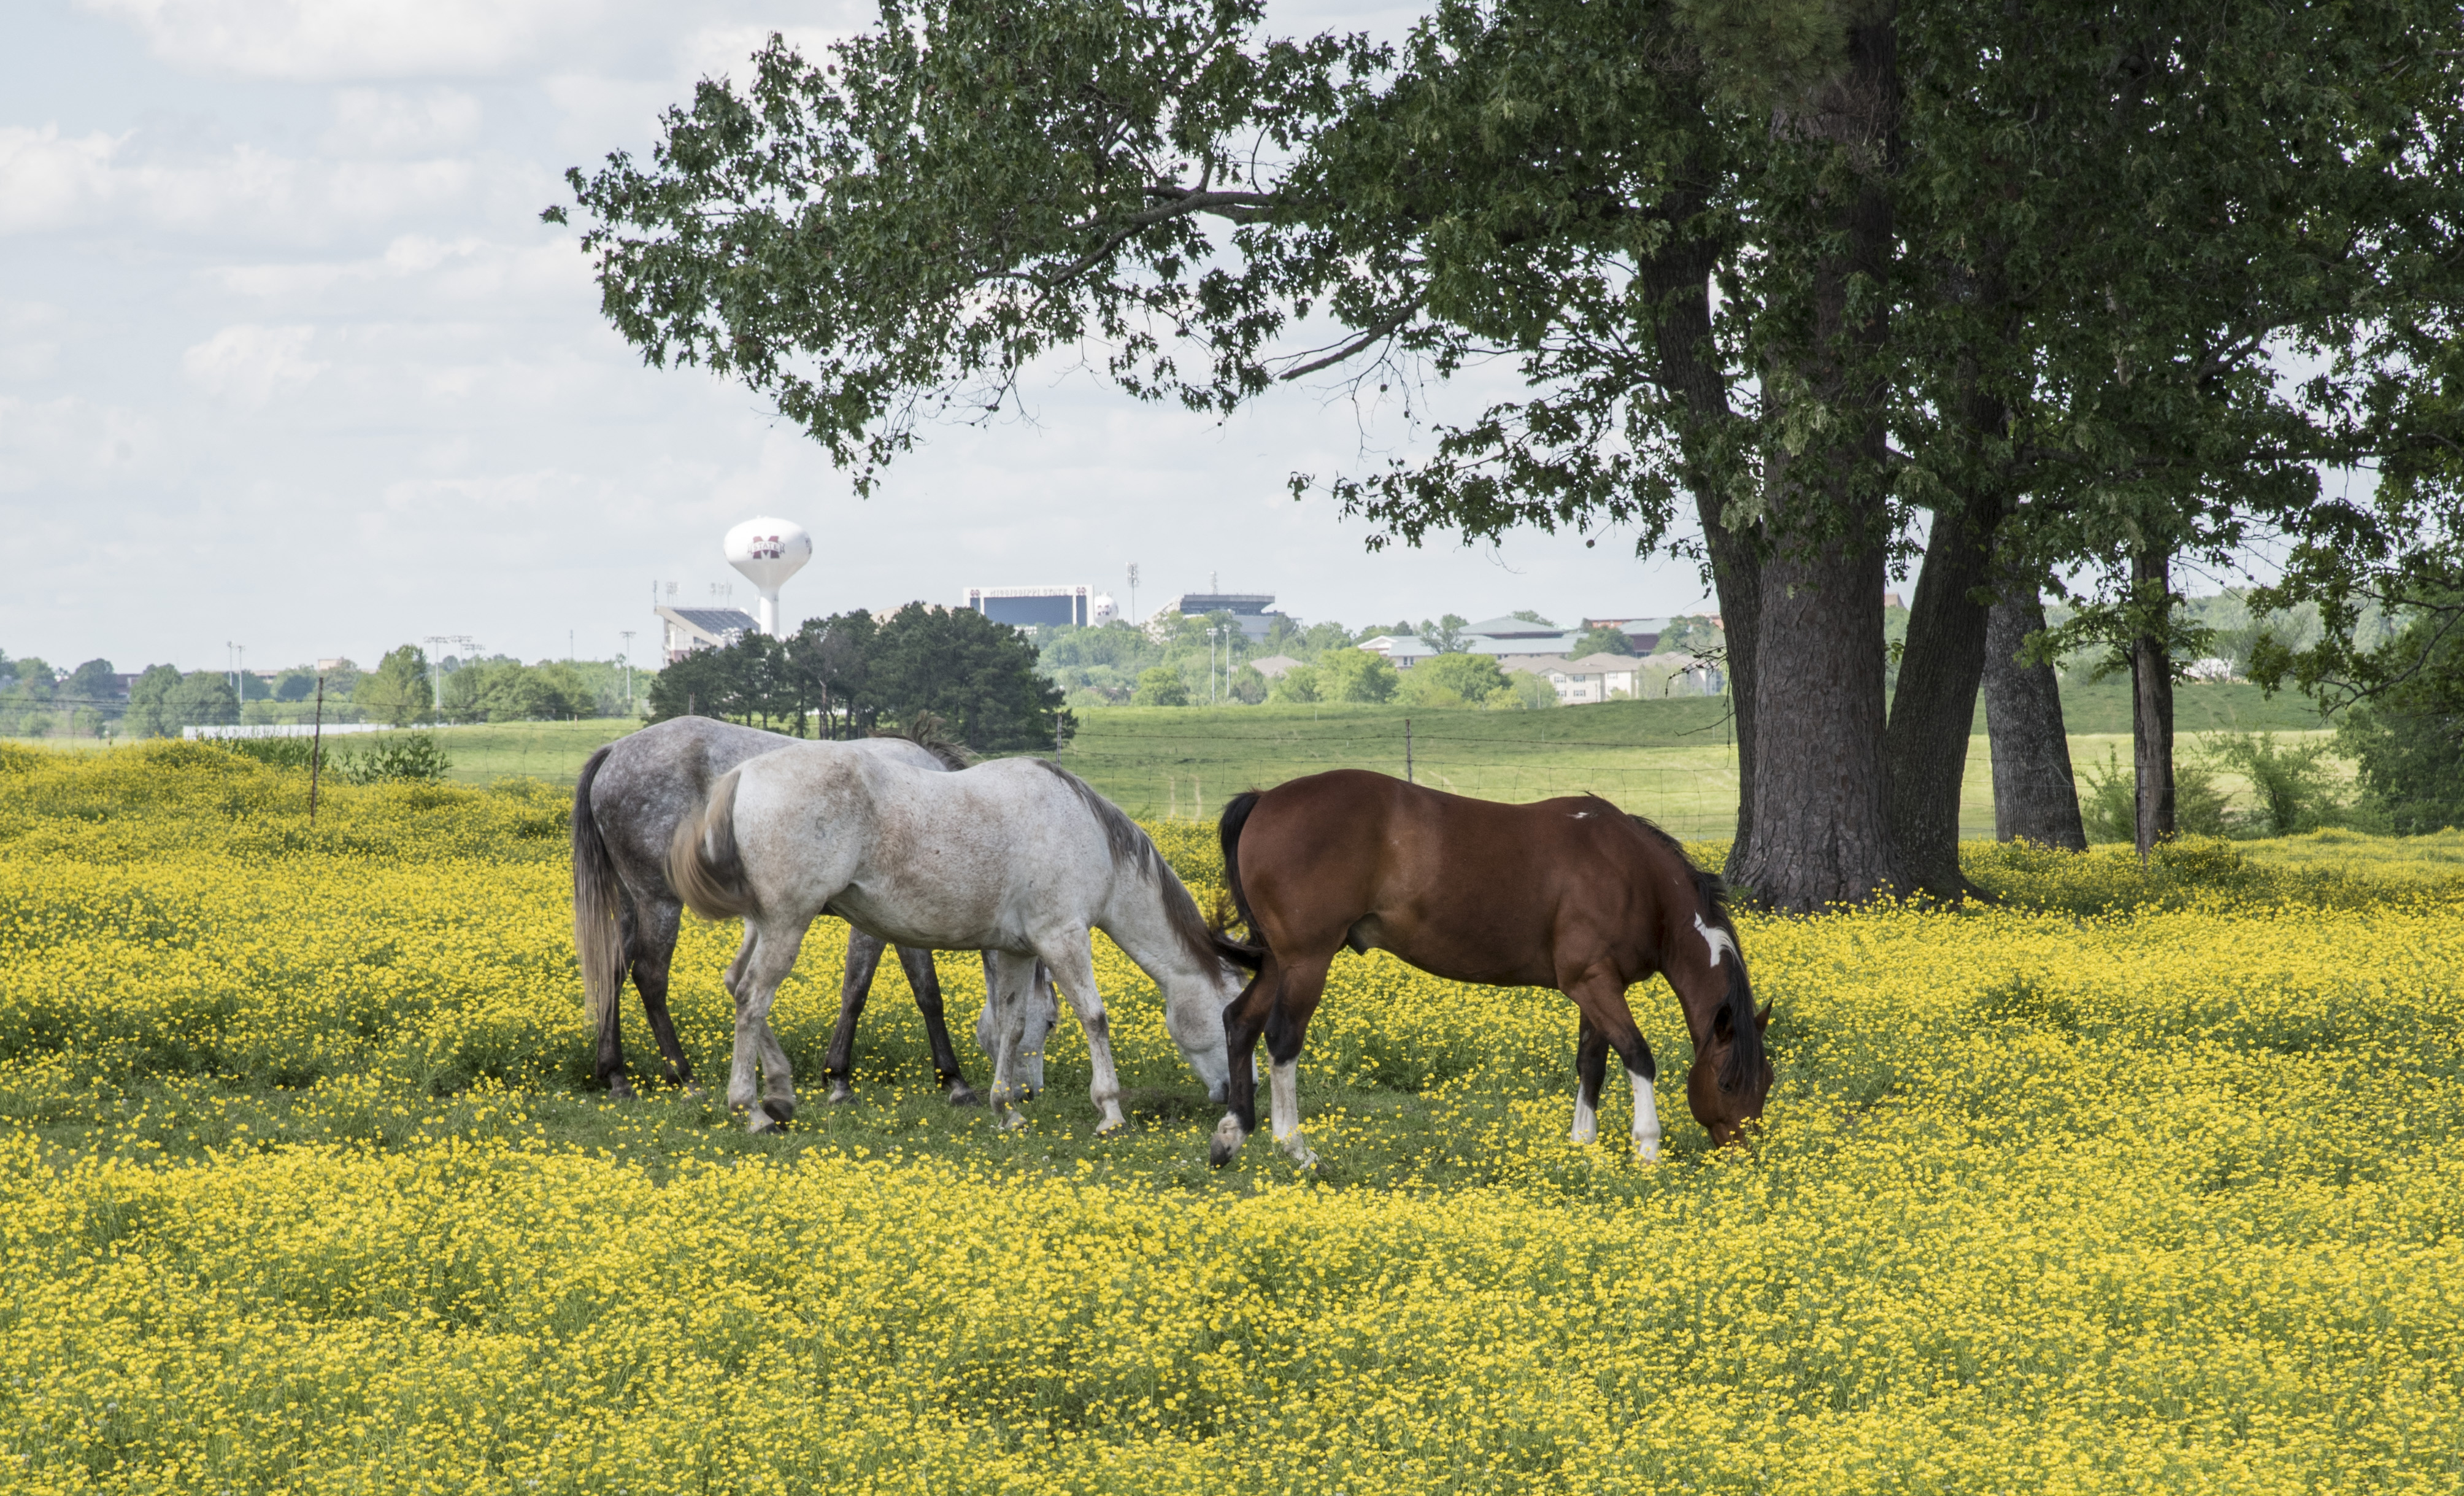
1717	940
1581	815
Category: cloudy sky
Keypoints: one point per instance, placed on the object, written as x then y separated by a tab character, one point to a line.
287	359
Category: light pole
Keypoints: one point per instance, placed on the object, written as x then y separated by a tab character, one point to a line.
1133	596
436	667
627	634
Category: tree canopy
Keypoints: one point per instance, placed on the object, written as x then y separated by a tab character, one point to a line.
845	676
2018	279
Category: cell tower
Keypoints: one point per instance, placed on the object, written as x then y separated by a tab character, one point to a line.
768	552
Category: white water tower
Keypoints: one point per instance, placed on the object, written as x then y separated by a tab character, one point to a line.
1101	609
768	552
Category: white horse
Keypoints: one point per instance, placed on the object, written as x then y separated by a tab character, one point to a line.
1018	858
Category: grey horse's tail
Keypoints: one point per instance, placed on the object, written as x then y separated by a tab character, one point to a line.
598	899
704	867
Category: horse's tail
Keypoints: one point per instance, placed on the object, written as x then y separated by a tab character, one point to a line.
1250	953
1736	1011
598	931
704	865
1236	815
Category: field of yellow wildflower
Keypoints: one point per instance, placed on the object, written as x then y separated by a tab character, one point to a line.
2146	1180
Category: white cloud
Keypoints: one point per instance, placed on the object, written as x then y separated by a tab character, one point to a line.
68	443
46	181
331	40
373	121
249	364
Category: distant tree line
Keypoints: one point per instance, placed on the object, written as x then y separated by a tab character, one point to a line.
843	676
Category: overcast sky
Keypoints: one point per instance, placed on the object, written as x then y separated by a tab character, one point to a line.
287	359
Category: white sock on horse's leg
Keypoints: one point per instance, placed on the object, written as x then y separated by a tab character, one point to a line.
1285	1079
1646	1120
1587	1122
740	1058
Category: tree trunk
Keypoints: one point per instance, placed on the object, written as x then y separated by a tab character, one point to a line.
2151	698
2035	795
1933	711
1685	366
1821	827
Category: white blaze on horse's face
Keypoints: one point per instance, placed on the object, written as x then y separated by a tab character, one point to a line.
1716	941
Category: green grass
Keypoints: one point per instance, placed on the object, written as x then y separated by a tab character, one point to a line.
550	751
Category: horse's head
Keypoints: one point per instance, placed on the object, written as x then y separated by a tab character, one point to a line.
1732	1074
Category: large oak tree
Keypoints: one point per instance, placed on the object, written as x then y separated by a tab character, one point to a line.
1828	276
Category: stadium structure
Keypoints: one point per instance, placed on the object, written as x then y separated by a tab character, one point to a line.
685	629
1029	606
1252	610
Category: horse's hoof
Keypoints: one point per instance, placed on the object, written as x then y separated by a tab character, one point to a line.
962	1094
1646	1149
1110	1129
691	1091
1014	1121
759	1121
619	1088
841	1094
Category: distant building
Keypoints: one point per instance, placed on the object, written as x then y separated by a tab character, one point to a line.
1252	610
1275	667
1595	677
1500	637
1028	607
685	629
1644	633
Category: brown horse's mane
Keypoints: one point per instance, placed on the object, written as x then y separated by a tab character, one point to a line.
1712	891
1133	851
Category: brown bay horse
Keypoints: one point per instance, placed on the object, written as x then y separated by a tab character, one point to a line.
1569	893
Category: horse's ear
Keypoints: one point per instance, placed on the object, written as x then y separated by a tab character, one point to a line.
1762	1020
1723	1026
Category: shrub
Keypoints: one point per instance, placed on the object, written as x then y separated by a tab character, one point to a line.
1355	675
2295	786
1160	686
2110	805
1297	685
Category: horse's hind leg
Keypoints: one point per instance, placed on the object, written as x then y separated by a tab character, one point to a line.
926	984
863	957
653	949
1244	1019
1009	988
1602	1001
1591	1069
1287	1030
765	962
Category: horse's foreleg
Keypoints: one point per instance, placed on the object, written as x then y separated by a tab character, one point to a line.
1591	1070
1074	973
1602	1001
926	984
838	1068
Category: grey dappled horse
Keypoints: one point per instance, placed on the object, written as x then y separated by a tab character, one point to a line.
1017	858
633	795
